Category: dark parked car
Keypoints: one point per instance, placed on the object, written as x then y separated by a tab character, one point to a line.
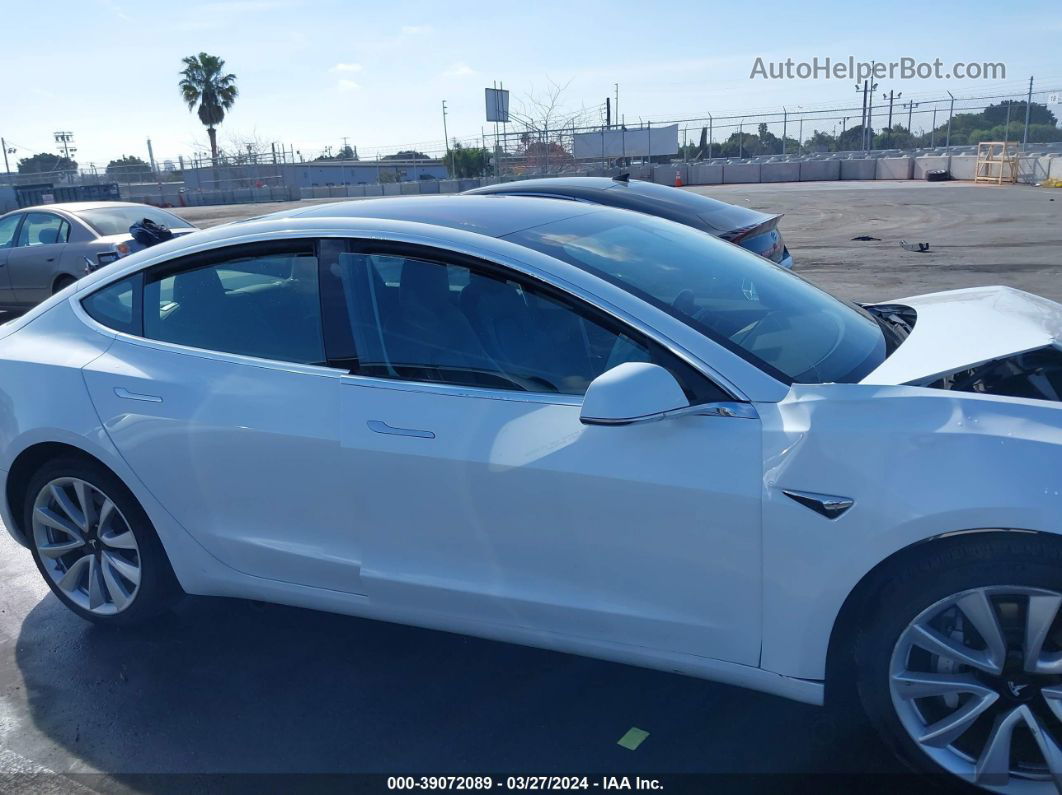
756	231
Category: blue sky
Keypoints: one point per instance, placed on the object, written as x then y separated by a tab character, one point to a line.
313	71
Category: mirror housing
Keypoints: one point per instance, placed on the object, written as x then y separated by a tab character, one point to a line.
632	392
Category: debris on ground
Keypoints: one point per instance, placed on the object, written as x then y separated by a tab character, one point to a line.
916	247
865	237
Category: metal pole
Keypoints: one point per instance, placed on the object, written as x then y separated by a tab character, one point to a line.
617	104
741	139
951	112
933	129
1006	130
446	142
785	126
800	136
870	117
709	136
3	145
1028	107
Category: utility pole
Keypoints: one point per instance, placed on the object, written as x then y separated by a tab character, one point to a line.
911	105
446	141
933	129
800	136
617	103
863	118
608	112
890	97
1028	107
951	112
710	121
785	126
3	145
870	116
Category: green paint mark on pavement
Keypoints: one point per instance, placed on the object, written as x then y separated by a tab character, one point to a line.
633	738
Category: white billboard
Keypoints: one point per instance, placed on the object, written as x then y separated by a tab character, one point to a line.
497	104
642	142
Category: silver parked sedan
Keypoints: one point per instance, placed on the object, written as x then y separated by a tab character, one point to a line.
45	248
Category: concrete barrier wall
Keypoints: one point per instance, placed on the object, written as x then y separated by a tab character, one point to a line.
923	165
780	172
705	174
858	169
962	166
895	168
374	190
820	170
741	172
1055	172
665	174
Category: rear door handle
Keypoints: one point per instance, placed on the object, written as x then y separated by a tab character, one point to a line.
382	427
122	392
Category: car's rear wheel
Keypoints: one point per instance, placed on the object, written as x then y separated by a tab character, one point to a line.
95	545
62	283
960	668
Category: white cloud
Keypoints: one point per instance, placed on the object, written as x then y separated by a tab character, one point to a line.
346	67
459	70
415	30
347	85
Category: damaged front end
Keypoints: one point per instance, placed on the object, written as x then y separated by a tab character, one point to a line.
1034	374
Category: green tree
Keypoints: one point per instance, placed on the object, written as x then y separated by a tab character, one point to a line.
851	139
406	154
1038	114
465	162
129	168
820	142
44	163
204	82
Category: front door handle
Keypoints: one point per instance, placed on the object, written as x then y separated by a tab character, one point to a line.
122	392
382	427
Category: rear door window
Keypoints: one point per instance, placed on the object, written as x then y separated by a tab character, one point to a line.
42	229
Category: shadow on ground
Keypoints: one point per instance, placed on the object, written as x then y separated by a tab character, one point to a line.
233	686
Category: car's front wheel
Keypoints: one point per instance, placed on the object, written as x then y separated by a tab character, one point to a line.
959	665
95	545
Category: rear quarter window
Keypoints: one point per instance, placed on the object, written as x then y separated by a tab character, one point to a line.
116	306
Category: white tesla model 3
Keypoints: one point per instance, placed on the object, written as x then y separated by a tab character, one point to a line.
573	427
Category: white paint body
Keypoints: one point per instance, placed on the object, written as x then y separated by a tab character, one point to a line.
667	544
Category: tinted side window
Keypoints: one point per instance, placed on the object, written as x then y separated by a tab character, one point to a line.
266	305
7	230
423	320
40	229
116	305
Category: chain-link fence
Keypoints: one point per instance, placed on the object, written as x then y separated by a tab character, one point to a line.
874	123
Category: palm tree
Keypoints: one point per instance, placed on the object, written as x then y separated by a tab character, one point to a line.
203	80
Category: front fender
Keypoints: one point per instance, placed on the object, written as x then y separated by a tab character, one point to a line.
918	463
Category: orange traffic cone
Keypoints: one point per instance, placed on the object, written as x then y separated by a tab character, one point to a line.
678	179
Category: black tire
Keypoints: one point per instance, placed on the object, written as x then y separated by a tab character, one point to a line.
917	582
158	588
62	283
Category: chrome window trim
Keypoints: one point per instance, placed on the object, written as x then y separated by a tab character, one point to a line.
451	390
443	244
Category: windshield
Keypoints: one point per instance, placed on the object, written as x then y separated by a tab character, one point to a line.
762	312
117	220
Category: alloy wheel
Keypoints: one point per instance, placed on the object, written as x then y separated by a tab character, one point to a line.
86	546
976	681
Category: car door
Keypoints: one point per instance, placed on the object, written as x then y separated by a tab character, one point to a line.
8	235
33	263
484	498
219	401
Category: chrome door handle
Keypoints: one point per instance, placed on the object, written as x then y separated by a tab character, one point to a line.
122	392
382	427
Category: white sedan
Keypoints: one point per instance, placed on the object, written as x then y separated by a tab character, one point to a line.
573	427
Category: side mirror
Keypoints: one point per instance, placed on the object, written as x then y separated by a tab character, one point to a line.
632	392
